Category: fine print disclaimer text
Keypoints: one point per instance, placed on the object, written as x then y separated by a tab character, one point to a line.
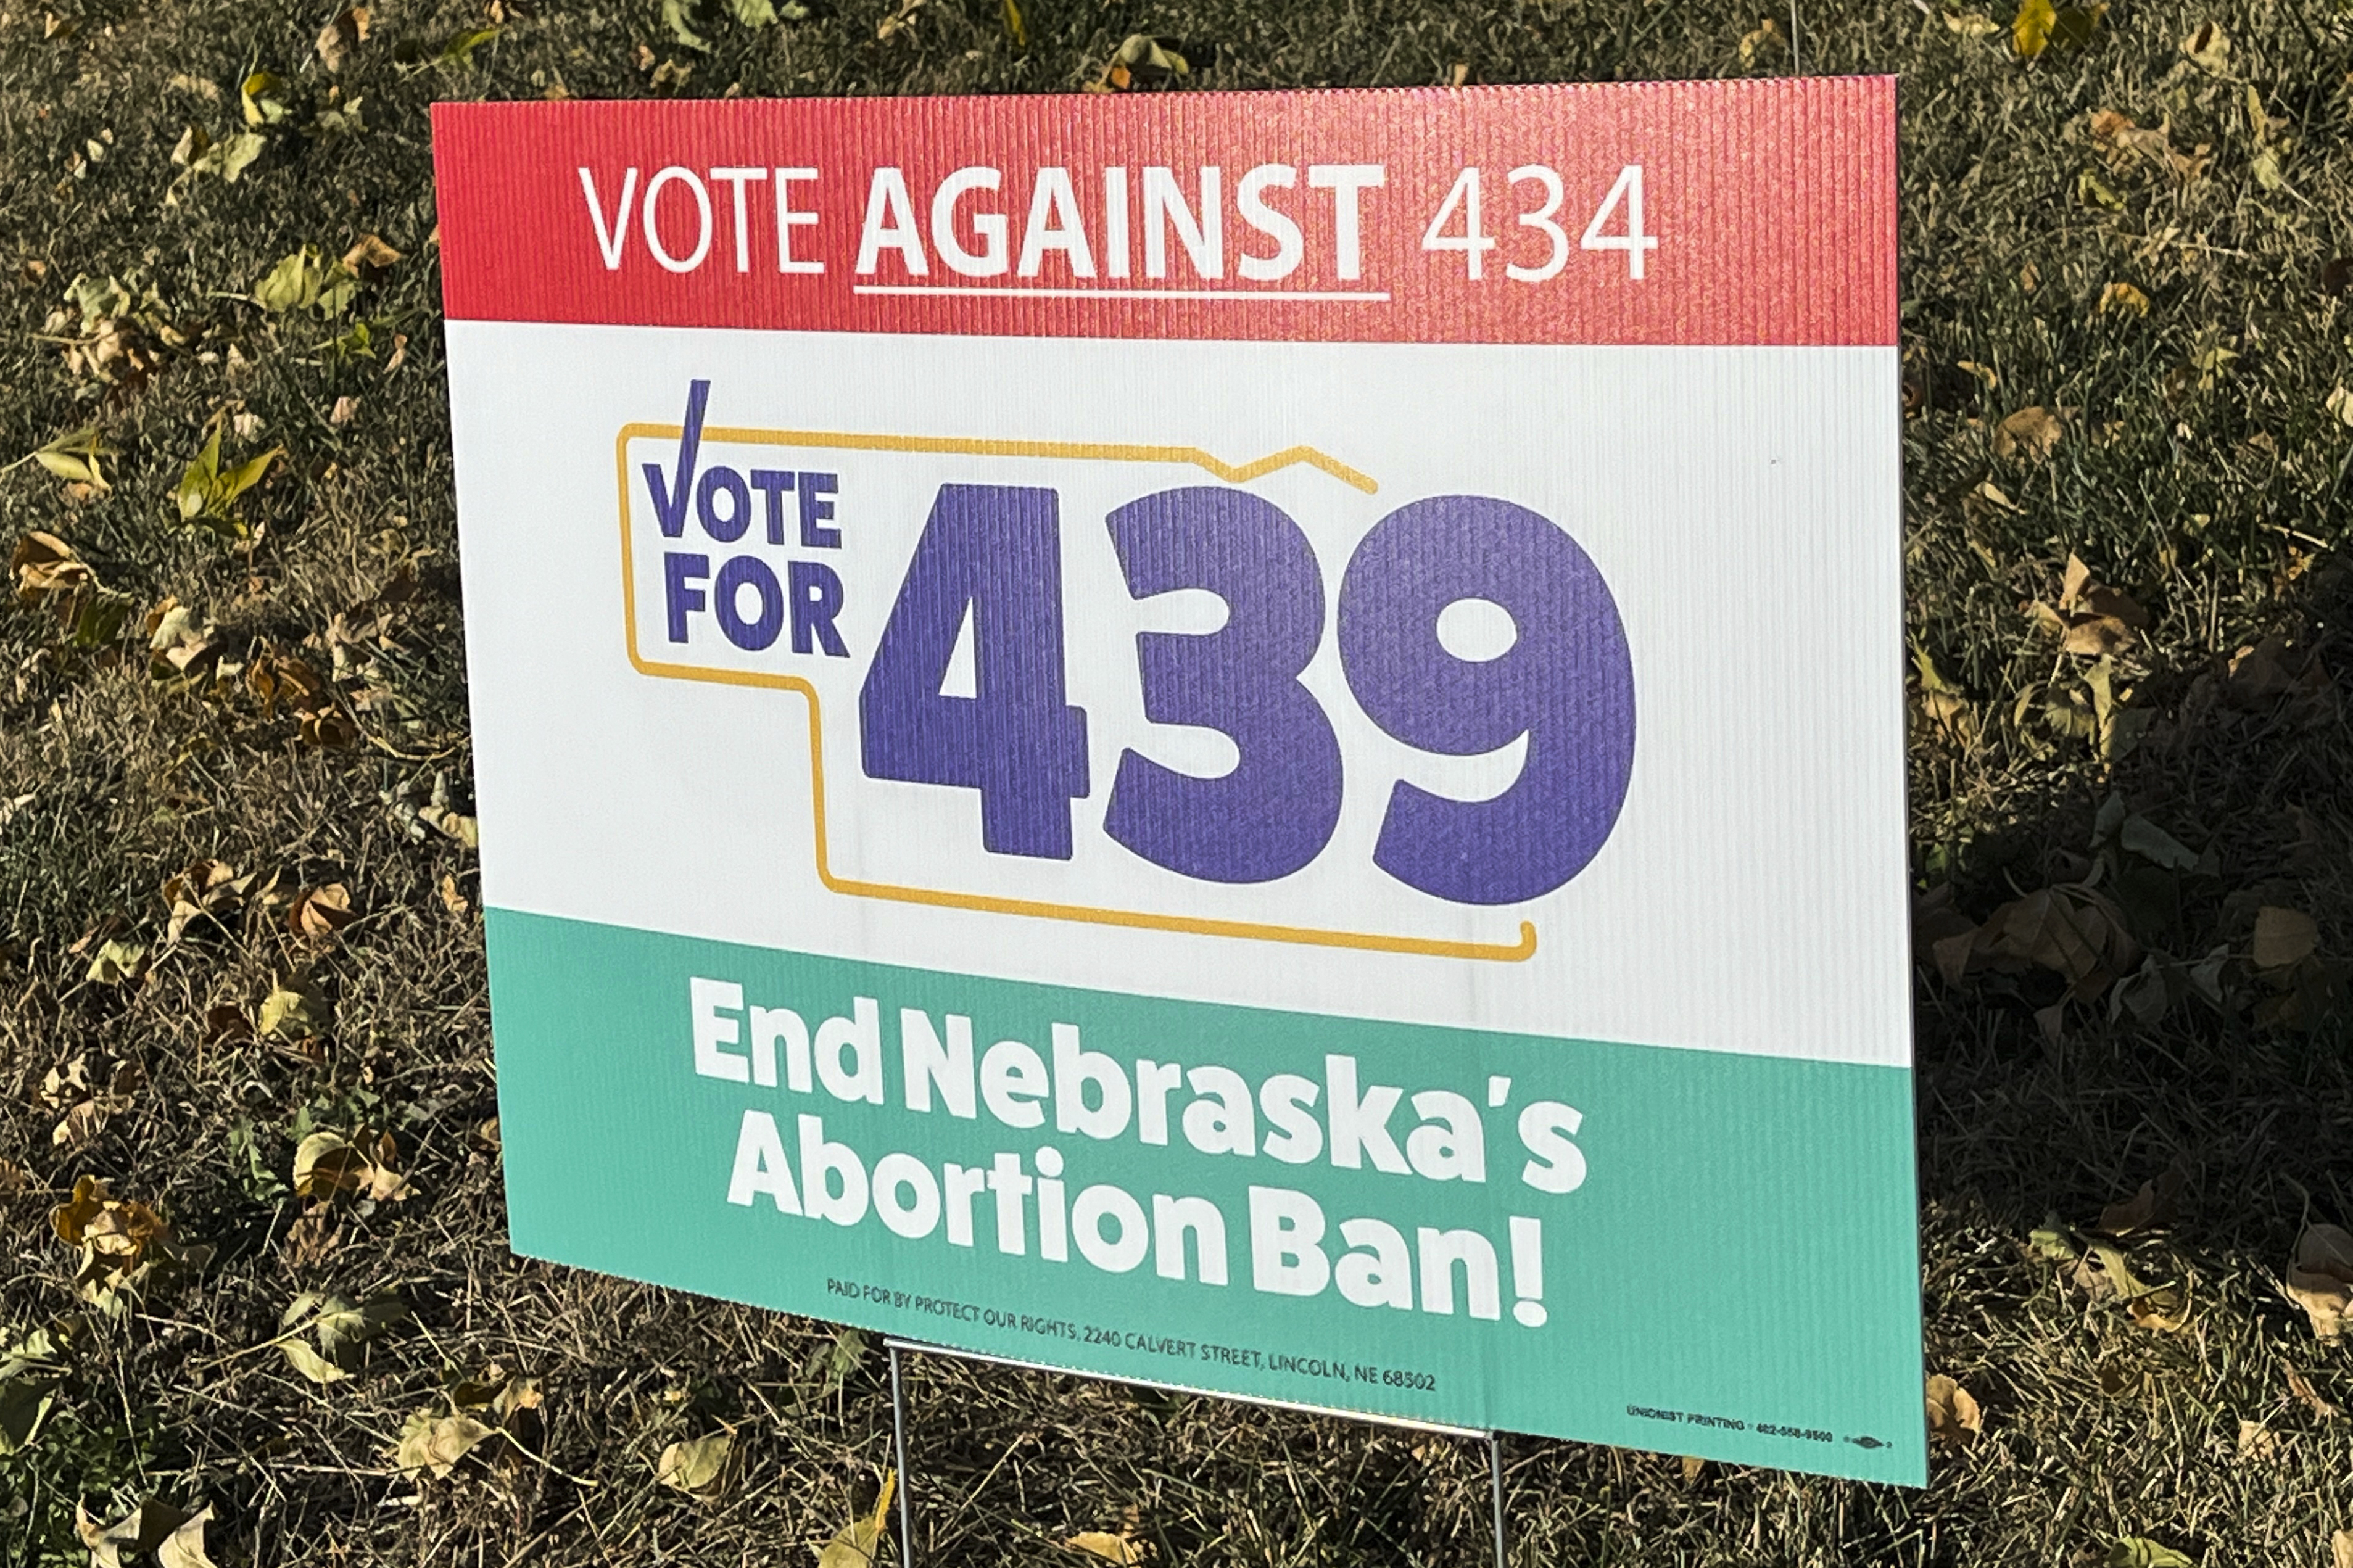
1331	1368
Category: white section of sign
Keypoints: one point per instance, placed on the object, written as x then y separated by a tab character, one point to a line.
1741	504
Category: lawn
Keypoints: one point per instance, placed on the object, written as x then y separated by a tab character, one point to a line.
242	956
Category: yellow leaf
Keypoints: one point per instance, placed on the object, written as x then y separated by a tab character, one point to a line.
2031	29
2340	1548
857	1542
2123	299
294	1009
1109	1547
119	963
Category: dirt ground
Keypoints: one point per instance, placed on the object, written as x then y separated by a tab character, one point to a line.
242	946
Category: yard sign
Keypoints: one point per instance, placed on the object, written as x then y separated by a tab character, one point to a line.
1247	740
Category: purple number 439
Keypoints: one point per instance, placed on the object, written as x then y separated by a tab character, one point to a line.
1565	684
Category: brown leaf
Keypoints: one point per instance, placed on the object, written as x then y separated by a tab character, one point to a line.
2340	1549
44	564
313	1236
2096	636
2071	930
206	888
2258	1443
2154	1205
2284	938
2164	1310
1693	1466
2321	1278
318	912
2034	432
1954	1418
369	251
451	899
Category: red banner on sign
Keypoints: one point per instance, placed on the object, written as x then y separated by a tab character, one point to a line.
1699	213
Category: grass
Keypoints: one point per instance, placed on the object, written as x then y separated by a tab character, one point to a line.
2197	470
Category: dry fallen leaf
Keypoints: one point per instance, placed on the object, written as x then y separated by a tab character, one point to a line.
119	962
697	1466
1119	1549
436	1443
326	1162
2321	1278
2123	299
2154	1205
1954	1418
185	1547
2340	1548
2258	1443
2284	938
294	1010
369	251
2033	432
319	911
856	1544
208	889
1693	1465
145	1529
2071	930
122	1244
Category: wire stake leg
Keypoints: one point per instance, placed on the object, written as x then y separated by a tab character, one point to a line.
899	1439
1495	1476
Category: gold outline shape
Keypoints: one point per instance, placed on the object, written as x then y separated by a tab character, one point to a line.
1492	952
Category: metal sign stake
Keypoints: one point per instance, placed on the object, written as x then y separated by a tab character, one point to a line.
899	1428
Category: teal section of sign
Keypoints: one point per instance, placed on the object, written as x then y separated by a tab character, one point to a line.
1735	1277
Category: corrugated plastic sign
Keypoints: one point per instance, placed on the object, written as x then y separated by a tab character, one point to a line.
1252	742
